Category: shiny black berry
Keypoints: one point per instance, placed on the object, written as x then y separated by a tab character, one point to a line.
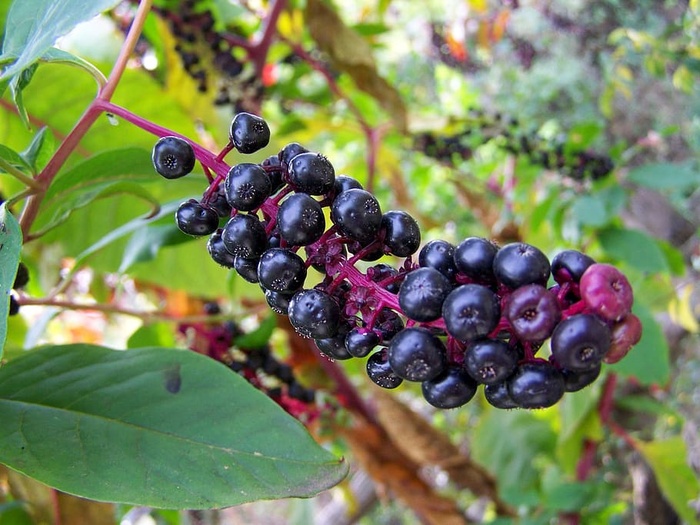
474	256
357	214
497	396
21	277
278	302
281	270
439	254
311	173
314	313
290	151
416	354
471	311
246	268
401	233
247	186
451	389
380	372
249	133
518	264
490	361
575	381
193	218
580	342
359	342
244	236
218	252
300	220
173	157
343	183
536	385
422	293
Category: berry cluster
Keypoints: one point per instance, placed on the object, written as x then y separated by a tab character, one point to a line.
551	154
451	318
204	49
256	363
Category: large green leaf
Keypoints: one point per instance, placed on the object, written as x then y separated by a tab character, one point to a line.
636	248
34	25
509	443
153	426
668	460
10	243
108	173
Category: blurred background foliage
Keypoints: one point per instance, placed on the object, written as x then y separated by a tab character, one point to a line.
562	123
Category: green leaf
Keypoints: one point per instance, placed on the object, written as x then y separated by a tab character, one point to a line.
39	150
634	247
668	460
666	176
14	513
648	361
579	421
513	465
154	334
33	26
258	337
17	85
10	243
109	173
14	159
59	56
145	243
153	426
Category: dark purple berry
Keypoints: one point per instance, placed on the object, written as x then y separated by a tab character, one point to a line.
314	313
580	342
422	294
300	220
247	268
490	361
474	256
247	186
575	381
370	252
606	291
359	342
439	254
357	214
173	157
290	151
218	252
311	173
497	396
278	302
416	354
536	385
343	183
471	311
518	264
569	265
244	236
334	347
380	372
533	312
401	233
249	133
219	203
451	389
193	218
281	270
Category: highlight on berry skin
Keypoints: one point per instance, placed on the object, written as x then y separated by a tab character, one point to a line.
460	319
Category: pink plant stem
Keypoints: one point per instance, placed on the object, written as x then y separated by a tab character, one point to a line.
73	139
